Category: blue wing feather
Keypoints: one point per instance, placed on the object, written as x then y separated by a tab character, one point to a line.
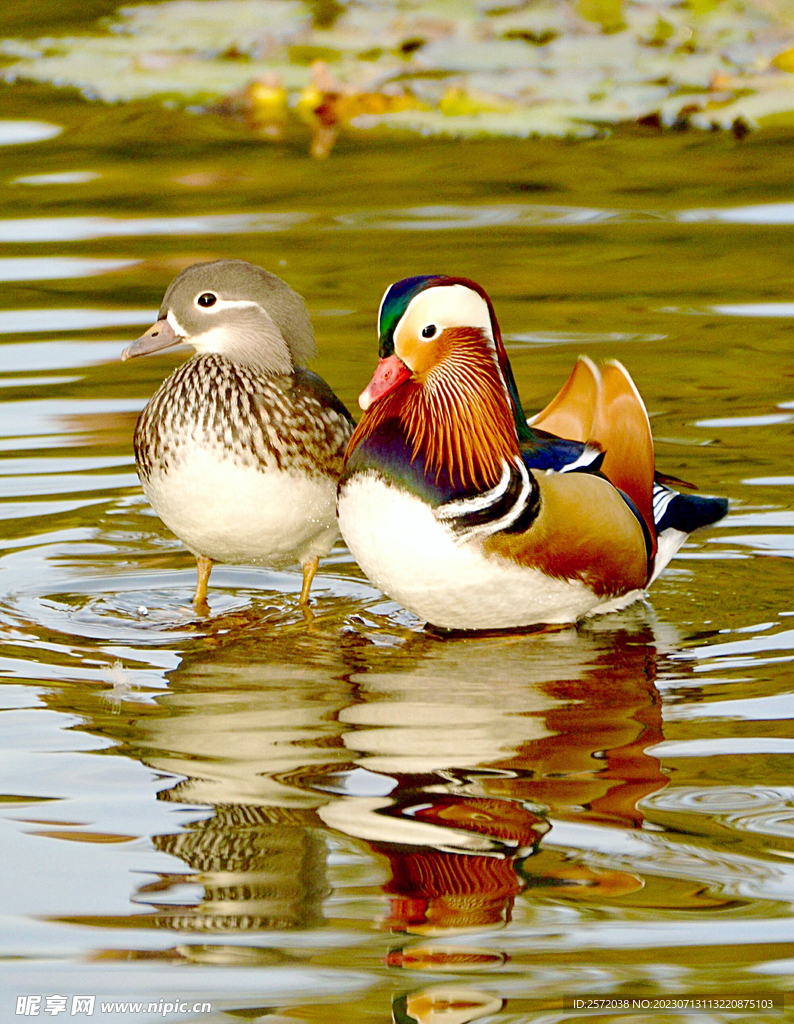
542	450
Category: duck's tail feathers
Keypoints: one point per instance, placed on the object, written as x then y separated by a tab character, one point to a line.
673	481
676	516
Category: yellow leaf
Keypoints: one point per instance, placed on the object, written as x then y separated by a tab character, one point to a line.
784	61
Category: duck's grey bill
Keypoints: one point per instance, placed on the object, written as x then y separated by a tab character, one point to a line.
159	335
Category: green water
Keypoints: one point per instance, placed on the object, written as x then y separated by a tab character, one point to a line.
247	811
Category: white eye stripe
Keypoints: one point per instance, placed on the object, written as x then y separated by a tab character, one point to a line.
220	304
444	306
179	330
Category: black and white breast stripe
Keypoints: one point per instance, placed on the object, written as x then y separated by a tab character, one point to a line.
514	499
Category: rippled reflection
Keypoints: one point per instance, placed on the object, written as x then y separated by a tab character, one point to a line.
402	749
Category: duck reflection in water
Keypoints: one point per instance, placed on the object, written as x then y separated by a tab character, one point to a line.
461	839
450	760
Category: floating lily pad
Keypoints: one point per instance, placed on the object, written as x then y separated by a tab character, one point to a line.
443	67
551	119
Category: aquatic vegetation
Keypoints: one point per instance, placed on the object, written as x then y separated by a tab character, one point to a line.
457	68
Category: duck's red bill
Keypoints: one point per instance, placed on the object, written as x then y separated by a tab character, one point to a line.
389	374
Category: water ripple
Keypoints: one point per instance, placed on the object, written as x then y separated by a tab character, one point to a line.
54	268
720	799
654	854
416	218
765	420
779	707
759	213
724	746
459	216
783	641
57	355
71	229
764	810
31	321
444	218
57	178
735	309
776	519
781	544
578	337
771	823
14	133
769	481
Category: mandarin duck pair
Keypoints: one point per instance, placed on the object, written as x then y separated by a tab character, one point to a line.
453	502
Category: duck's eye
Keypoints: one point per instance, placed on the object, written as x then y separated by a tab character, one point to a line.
429	331
207	299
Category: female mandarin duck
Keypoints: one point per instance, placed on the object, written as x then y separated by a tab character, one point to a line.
474	518
240	450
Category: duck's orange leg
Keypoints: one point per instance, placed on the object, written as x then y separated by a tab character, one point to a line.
309	570
204	567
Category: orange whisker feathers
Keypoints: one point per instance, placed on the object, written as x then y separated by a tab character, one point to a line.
457	414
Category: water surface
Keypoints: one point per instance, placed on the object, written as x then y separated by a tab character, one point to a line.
300	823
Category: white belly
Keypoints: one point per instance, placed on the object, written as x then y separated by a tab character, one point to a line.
234	513
450	583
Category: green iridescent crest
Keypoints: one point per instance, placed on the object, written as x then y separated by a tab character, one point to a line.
395	302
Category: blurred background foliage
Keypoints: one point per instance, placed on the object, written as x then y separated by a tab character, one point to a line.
458	68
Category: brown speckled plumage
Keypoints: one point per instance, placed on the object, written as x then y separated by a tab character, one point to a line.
284	421
240	450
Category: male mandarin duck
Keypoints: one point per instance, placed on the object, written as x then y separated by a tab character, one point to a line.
241	448
473	517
